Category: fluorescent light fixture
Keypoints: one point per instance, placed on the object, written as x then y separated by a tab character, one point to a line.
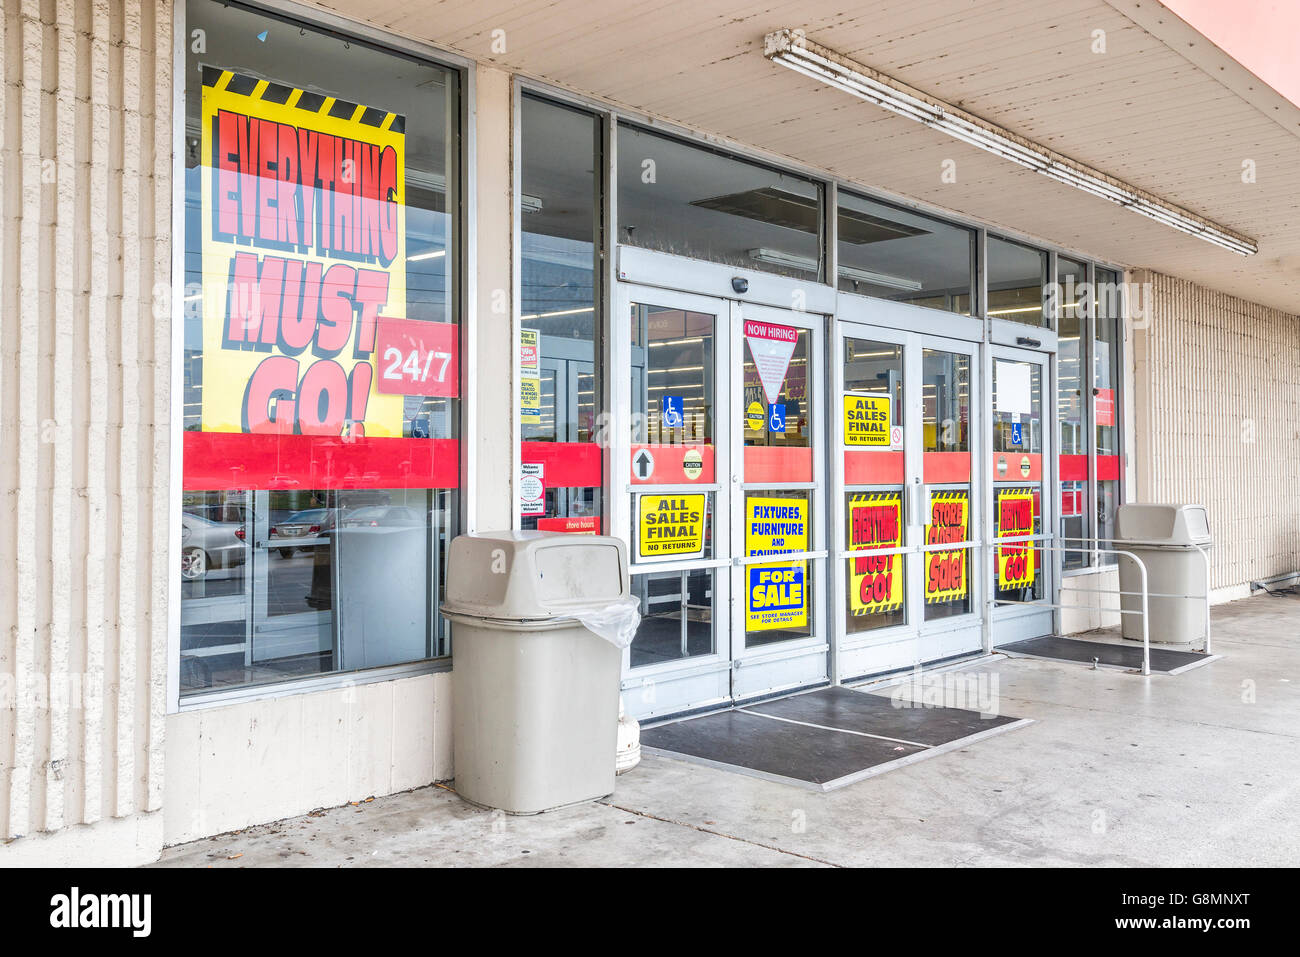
778	258
530	204
790	261
792	49
880	279
558	312
431	254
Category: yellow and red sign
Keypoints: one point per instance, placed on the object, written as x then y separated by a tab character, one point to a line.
1015	517
945	571
304	266
875	581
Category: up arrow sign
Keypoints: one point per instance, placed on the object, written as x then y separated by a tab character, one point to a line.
645	465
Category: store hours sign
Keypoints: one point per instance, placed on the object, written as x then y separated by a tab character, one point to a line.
304	276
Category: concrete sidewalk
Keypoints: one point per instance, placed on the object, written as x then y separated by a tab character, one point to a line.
1197	769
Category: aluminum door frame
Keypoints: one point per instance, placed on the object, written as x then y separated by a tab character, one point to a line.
915	642
705	680
796	663
1009	623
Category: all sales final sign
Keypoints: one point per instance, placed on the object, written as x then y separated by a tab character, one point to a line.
304	267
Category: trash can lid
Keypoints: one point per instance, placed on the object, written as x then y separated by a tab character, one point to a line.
525	575
1163	524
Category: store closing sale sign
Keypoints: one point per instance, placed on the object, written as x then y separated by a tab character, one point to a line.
304	267
1015	518
776	594
670	526
875	581
945	571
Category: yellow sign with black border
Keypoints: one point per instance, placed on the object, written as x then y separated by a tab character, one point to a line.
670	526
867	421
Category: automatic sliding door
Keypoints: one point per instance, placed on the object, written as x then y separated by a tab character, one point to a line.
676	503
905	588
780	623
1021	452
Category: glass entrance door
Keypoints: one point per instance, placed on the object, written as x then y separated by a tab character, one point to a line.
906	500
1021	514
719	476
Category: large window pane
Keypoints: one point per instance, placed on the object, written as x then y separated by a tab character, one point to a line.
321	369
892	253
1016	274
1072	409
678	197
1017	486
672	373
560	387
677	616
1105	403
945	409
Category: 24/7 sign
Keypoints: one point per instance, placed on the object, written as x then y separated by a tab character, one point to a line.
418	358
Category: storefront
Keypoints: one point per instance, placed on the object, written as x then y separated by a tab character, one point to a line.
382	284
811	475
876	435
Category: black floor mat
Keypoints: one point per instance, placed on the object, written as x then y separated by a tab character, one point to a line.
848	710
822	739
1168	661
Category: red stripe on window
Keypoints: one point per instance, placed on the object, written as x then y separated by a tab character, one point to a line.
947	467
764	463
1074	468
221	461
863	467
564	464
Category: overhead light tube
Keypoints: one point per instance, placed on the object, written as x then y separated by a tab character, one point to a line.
793	50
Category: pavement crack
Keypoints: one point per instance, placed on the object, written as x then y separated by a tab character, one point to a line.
730	837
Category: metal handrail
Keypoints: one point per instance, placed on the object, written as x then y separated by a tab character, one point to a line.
1204	552
1146	627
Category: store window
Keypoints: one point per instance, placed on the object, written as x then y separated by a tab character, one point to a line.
893	253
1016	274
682	198
1088	402
1072	409
561	238
1106	372
322	352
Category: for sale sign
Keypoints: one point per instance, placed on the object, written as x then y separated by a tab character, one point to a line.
776	594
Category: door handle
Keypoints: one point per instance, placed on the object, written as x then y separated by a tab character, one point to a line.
917	504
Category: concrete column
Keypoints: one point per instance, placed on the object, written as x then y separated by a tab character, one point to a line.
491	382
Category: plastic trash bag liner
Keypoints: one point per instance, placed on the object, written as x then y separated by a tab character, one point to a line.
616	622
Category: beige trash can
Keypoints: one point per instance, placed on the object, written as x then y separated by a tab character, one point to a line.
1167	538
535	691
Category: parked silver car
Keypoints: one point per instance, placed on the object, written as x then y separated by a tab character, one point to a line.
206	544
304	524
